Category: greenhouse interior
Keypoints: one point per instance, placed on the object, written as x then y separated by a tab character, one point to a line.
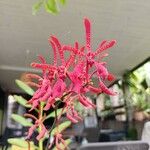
75	75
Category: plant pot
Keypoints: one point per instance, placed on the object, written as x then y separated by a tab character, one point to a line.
139	115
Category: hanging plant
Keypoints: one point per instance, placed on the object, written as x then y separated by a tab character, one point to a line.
50	6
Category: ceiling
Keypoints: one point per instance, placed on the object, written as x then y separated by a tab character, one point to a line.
24	36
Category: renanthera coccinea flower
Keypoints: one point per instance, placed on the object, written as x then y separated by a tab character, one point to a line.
70	79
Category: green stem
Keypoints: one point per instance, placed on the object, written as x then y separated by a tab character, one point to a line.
54	123
41	144
40	127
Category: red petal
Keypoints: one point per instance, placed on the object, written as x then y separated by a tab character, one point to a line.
34	104
89	102
30	131
88	33
94	89
57	43
104	46
49	103
102	71
41	58
106	90
84	102
71	118
102	43
110	77
76	45
47	94
54	51
59	88
37	65
35	76
42	133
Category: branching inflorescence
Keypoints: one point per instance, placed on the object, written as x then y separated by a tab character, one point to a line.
69	80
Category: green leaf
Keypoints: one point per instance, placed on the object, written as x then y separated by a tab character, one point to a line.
68	141
52	114
36	7
51	6
20	142
21	120
61	127
25	87
148	91
63	2
22	101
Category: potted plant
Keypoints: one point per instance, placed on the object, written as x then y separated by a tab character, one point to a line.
137	95
141	107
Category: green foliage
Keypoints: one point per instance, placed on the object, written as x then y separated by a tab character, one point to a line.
21	120
106	113
131	80
25	87
20	142
61	127
50	6
137	86
139	102
63	2
36	7
148	90
68	141
20	100
52	114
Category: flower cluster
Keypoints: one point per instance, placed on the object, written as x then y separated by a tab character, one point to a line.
70	78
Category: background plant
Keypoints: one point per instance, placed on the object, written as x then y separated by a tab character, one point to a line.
137	85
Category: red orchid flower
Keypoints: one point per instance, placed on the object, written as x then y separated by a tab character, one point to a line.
70	79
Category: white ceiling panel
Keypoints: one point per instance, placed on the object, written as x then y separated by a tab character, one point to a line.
24	36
